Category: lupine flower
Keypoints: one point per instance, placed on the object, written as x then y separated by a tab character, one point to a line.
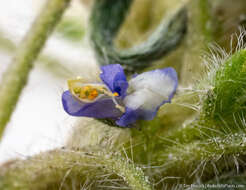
116	98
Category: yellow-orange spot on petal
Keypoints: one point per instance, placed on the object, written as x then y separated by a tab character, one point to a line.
88	92
115	94
93	94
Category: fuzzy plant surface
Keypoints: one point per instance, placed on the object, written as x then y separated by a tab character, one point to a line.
196	141
194	153
106	19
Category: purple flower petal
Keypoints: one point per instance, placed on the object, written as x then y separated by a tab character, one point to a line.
114	77
131	116
102	108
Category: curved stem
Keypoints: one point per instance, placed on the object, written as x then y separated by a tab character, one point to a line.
16	76
106	19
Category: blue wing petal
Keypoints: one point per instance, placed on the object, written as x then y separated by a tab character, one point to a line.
102	108
129	117
114	77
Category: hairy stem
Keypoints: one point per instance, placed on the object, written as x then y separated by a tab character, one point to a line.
201	160
106	20
51	170
49	62
16	76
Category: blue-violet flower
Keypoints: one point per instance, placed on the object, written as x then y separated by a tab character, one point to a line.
115	98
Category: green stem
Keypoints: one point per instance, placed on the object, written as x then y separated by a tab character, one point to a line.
107	17
201	159
134	176
52	170
16	76
48	62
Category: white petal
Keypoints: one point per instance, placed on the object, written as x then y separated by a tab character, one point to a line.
149	90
